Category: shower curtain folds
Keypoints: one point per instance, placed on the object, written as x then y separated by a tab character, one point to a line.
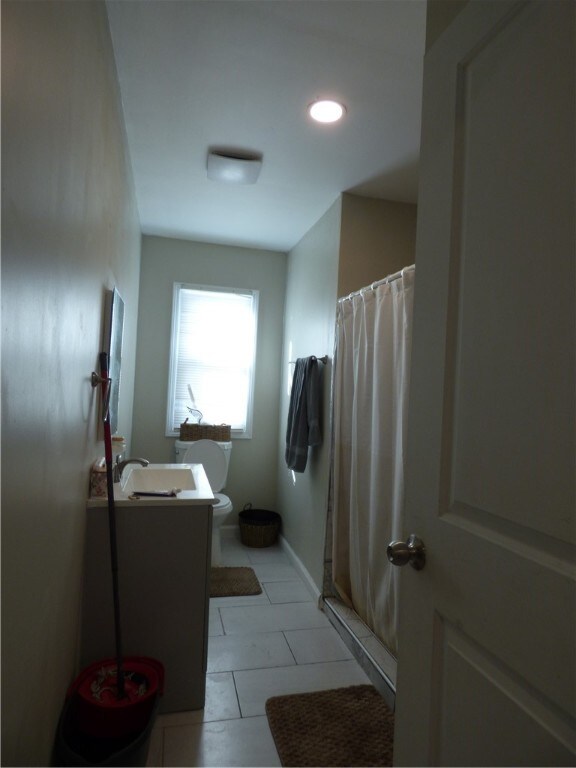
371	381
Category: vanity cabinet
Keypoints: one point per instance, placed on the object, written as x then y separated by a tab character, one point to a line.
164	576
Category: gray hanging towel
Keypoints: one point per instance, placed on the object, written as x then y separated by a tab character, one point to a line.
303	414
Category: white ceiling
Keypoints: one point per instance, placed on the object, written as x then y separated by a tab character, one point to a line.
196	74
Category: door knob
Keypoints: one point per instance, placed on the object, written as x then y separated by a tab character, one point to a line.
411	551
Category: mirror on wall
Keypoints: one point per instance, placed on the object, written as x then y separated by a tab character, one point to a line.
113	330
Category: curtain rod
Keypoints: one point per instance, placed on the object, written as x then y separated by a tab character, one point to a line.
384	280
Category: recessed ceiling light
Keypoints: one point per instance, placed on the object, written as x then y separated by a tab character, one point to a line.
326	111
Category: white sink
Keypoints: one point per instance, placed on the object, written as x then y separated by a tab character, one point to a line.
157	478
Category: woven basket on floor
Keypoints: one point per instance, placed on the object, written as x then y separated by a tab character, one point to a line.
258	527
218	432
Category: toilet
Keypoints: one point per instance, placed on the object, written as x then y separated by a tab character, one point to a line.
215	458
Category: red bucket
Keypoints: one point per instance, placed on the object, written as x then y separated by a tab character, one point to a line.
98	710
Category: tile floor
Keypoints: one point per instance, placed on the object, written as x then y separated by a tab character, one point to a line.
260	646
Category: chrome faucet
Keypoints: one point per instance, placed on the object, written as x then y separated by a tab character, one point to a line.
119	466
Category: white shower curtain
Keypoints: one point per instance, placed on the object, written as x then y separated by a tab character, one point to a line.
372	372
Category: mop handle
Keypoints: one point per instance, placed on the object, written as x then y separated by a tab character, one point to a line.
106	386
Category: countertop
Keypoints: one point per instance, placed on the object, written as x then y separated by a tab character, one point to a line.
201	496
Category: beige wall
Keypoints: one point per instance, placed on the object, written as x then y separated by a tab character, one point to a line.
309	330
439	15
377	238
69	232
252	474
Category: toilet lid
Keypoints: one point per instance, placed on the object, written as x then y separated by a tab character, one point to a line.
212	457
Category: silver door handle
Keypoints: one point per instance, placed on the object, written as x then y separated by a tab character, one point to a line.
411	551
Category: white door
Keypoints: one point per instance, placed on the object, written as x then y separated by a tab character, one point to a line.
487	644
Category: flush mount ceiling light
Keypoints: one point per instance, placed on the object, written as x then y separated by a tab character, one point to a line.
326	111
234	167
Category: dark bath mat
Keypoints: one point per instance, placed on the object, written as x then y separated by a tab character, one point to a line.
350	726
233	582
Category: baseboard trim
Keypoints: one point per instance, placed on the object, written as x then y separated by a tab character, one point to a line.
302	571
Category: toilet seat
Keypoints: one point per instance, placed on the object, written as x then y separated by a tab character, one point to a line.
222	503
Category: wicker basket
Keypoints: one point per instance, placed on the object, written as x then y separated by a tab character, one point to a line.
258	527
218	432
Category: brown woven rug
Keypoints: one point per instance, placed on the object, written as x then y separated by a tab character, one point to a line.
343	727
233	582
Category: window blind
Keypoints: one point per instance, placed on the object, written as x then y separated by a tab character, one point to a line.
212	356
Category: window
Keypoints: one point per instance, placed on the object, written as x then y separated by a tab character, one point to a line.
212	357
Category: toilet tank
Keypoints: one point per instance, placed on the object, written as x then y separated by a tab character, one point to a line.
181	446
